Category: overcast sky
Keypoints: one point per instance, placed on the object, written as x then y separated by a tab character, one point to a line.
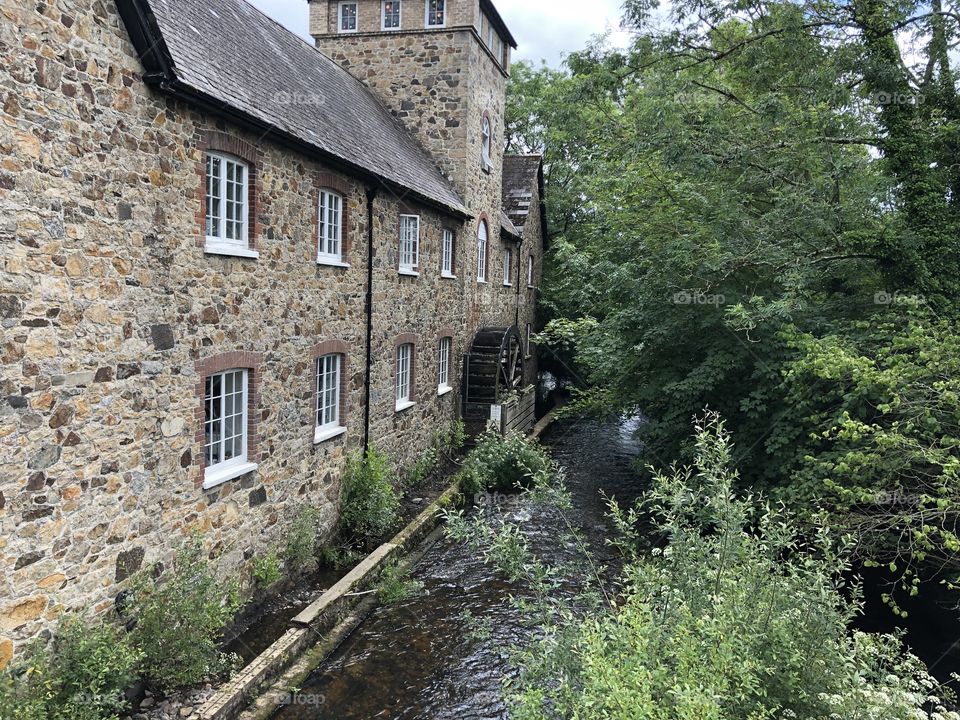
545	29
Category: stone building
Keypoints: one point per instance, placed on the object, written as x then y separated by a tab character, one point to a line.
230	259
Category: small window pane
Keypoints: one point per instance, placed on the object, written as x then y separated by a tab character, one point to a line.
435	12
391	14
348	17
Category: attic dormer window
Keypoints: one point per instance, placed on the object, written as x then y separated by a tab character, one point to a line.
347	17
487	134
391	15
436	13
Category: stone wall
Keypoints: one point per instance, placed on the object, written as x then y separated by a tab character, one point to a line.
110	310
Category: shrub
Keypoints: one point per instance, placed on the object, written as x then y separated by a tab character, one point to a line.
81	675
395	585
502	462
743	614
180	618
266	568
424	465
451	442
369	502
338	556
300	554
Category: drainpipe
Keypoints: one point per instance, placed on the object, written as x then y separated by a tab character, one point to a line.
371	196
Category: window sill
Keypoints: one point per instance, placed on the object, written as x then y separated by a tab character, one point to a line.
214	247
217	476
481	282
332	263
443	390
322	434
408	272
508	284
403	405
529	287
447	276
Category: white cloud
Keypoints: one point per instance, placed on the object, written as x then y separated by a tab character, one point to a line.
544	29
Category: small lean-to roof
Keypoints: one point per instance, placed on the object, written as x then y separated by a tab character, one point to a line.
522	175
230	58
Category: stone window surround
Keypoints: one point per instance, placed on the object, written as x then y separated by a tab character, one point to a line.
453	253
328	347
446	332
405	339
231	360
340	6
485	220
335	183
217	141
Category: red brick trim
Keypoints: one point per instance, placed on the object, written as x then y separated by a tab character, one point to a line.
232	360
484	219
216	141
403	339
445	332
329	347
328	181
453	250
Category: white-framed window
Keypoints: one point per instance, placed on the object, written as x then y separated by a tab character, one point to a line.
329	241
436	13
390	15
443	365
328	391
404	375
508	266
227	205
490	34
347	17
499	50
527	343
409	243
446	262
486	136
482	252
225	426
529	271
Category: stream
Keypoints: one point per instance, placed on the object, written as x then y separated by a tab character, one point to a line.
442	654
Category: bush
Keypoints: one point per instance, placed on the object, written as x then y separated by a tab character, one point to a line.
451	442
180	619
395	585
424	465
502	462
300	555
266	568
741	615
82	675
369	502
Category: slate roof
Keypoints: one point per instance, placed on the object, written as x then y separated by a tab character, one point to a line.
521	175
237	58
508	227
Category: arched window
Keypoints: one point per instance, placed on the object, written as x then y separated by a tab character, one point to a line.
482	251
487	135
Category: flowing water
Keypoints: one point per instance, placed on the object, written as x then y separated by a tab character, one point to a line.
443	653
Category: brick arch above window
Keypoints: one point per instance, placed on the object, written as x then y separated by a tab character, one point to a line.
322	349
227	143
334	183
222	362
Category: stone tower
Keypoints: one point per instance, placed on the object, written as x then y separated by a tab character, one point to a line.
441	67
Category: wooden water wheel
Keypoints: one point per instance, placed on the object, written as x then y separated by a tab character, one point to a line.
493	368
